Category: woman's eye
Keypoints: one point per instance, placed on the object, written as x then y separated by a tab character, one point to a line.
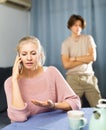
23	54
34	53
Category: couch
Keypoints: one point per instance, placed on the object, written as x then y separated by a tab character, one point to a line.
4	74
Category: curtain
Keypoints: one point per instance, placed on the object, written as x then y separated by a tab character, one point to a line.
49	23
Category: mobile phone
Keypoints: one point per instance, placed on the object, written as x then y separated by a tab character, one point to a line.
20	66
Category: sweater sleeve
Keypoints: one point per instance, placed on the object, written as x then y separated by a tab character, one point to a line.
13	113
64	92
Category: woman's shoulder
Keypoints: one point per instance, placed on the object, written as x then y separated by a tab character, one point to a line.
7	82
52	68
8	79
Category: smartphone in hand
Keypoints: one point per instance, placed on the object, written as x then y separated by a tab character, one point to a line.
20	66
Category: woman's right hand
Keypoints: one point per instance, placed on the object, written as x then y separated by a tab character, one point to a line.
16	69
48	103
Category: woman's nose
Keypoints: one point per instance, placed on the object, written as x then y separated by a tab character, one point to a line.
29	57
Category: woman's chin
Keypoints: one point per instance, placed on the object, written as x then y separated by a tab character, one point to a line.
30	68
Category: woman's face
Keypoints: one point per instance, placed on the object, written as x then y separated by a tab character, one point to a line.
29	54
77	27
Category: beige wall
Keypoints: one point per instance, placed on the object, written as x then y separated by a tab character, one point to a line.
14	24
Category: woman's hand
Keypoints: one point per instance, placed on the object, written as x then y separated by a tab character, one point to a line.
16	69
17	100
48	103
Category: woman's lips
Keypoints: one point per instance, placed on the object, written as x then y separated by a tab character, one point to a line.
29	63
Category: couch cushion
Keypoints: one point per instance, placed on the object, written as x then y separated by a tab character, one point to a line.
4	120
3	102
4	74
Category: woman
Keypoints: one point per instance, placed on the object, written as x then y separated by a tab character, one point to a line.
78	53
34	88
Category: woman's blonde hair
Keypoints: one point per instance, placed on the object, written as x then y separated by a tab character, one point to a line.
36	41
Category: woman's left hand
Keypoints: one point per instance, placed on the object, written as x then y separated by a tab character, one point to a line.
48	103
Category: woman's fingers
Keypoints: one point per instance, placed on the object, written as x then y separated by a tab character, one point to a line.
49	103
39	103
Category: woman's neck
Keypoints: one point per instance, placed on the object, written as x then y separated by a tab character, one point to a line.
31	73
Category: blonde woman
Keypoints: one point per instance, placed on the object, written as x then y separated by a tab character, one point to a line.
34	88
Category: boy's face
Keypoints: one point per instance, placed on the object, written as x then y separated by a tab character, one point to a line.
77	27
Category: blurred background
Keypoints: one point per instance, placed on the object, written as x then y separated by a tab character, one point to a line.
47	20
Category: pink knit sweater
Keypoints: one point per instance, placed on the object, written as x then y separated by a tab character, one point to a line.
48	85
